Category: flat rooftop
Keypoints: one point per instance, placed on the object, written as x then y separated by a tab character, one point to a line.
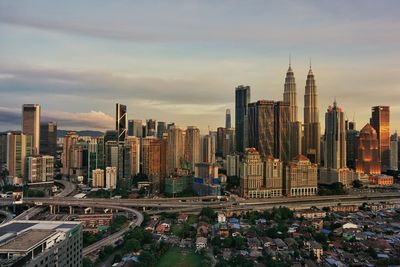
26	240
15	228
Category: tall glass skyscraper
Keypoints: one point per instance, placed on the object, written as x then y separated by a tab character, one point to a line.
242	99
121	122
228	119
380	120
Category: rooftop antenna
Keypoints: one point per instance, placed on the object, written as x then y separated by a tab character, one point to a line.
310	63
290	59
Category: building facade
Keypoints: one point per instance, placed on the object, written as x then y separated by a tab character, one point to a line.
152	160
380	121
48	138
251	173
121	122
192	146
40	168
368	160
312	128
19	147
301	177
31	124
242	99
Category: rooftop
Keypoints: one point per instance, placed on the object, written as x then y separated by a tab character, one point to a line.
27	240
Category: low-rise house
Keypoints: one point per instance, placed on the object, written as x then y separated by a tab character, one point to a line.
182	218
201	243
223	230
280	245
162	228
267	241
253	243
310	214
151	226
316	249
221	217
317	224
186	243
203	229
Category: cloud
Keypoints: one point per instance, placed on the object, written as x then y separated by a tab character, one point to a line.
101	85
224	21
66	120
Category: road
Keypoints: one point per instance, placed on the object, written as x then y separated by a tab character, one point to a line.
68	189
110	240
8	216
162	204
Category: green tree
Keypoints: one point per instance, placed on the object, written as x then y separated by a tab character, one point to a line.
86	262
132	245
147	259
208	212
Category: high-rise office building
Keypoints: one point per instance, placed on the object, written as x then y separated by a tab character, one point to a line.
312	128
242	99
228	119
175	149
48	138
132	148
334	138
251	173
261	127
394	147
282	131
208	148
221	134
368	160
121	122
151	127
152	160
161	129
192	146
40	169
112	154
351	147
228	142
135	128
301	177
289	94
380	121
69	141
232	165
3	150
31	124
19	147
32	243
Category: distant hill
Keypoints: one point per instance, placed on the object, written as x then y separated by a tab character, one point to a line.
62	133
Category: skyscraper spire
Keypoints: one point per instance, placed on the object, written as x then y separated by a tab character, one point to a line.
289	93
312	133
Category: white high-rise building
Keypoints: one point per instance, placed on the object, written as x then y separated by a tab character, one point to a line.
111	177
40	169
98	178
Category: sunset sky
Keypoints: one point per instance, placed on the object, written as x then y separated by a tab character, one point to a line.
181	60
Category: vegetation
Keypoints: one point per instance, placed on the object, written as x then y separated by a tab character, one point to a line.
333	189
180	258
86	262
232	182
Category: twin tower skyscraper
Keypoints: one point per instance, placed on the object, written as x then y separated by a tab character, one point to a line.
307	143
273	128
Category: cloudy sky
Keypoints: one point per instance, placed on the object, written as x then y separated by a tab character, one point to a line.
181	60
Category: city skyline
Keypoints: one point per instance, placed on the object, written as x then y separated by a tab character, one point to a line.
81	61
